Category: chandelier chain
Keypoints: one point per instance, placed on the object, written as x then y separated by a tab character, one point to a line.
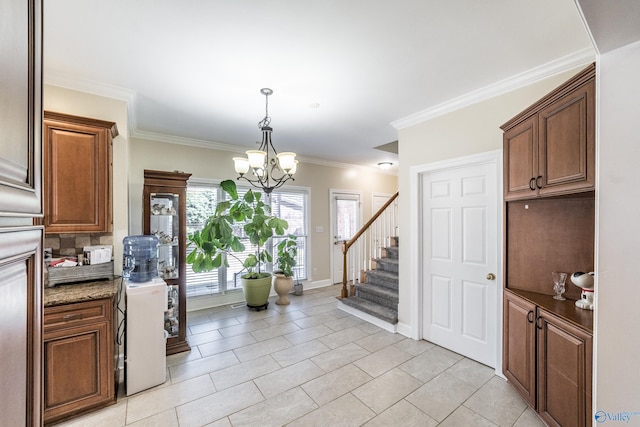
267	120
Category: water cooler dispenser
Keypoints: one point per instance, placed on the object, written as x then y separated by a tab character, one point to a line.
146	303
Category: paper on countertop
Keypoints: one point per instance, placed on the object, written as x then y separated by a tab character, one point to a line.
63	263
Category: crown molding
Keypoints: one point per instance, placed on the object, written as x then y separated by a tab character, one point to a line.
181	140
211	145
54	78
89	86
568	62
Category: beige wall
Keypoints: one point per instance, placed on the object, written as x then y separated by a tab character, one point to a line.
471	130
212	164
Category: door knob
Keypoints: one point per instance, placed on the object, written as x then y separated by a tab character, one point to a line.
491	276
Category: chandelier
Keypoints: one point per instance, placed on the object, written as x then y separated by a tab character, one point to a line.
261	168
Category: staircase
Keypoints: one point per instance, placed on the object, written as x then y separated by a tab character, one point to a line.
378	295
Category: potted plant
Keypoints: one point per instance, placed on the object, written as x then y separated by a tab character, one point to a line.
221	238
287	251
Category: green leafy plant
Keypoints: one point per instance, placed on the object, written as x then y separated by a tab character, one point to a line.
287	251
217	240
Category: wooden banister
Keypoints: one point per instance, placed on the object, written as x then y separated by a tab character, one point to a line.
348	244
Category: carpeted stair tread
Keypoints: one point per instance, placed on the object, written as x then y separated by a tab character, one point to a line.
378	294
388	264
385	313
392	252
383	278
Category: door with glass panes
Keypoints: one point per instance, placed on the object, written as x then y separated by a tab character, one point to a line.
345	222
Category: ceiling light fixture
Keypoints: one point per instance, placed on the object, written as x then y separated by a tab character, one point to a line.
261	163
385	165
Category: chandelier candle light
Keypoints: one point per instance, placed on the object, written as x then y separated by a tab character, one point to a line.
263	165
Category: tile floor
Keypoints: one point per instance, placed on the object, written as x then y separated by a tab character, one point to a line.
311	364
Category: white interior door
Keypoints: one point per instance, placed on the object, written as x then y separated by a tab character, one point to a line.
345	222
460	260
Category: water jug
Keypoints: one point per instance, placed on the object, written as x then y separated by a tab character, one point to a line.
140	258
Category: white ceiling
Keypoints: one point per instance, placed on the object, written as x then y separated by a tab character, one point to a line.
194	68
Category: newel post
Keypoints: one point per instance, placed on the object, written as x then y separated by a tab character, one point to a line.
345	292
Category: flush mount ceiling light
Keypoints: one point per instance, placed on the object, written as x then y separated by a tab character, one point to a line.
261	168
385	165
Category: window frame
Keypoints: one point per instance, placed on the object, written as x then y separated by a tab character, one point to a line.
226	280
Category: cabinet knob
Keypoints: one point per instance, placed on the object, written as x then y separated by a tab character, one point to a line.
491	276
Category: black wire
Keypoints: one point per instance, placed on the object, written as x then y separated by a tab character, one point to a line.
121	330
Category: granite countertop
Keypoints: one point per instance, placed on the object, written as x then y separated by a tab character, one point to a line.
78	292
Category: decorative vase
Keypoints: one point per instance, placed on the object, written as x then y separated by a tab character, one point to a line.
256	291
282	285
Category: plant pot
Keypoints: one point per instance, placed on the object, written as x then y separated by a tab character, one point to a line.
256	291
283	285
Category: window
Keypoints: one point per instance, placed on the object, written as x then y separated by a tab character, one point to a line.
202	197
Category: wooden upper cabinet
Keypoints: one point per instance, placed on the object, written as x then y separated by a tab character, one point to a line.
549	149
567	142
521	158
77	157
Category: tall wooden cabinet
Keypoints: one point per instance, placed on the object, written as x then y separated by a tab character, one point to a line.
164	215
20	207
549	192
78	165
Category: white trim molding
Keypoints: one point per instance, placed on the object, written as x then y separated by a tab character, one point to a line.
566	63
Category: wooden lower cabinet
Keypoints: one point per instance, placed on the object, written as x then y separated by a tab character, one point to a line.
519	346
564	372
79	358
548	361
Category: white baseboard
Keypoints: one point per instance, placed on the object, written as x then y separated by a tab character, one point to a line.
236	296
406	330
316	284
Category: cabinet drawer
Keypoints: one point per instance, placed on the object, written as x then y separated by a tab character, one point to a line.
68	315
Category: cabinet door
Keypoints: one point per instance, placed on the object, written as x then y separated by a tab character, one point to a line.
567	143
78	370
521	160
21	108
564	372
76	177
20	326
519	344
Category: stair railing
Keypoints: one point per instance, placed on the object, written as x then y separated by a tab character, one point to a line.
367	244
